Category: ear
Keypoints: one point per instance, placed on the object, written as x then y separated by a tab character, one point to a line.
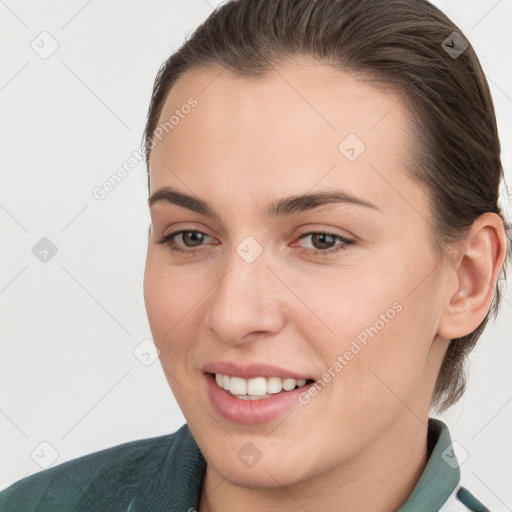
478	262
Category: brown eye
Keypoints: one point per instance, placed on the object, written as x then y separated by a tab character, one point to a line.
323	243
194	237
322	240
191	241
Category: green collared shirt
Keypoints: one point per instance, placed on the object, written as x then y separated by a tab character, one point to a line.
165	474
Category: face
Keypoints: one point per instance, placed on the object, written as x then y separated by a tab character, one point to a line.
346	292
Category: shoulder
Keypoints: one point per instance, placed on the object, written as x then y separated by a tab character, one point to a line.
79	483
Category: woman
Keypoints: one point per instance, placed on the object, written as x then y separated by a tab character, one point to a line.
324	253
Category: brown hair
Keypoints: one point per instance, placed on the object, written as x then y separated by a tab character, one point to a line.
397	43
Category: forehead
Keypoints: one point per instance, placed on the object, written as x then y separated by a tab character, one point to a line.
298	124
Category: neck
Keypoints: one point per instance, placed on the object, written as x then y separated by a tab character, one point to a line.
378	480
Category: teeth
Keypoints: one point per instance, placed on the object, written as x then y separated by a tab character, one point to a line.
259	387
274	385
238	386
289	384
255	387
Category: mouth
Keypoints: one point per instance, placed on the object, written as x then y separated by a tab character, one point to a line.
253	393
255	400
257	388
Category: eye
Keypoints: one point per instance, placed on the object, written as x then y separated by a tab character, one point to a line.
191	242
192	237
322	242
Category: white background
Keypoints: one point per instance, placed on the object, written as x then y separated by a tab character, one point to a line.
69	327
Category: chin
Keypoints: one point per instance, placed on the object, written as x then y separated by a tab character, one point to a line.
273	471
263	477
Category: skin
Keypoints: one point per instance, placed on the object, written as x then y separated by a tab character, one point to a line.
362	440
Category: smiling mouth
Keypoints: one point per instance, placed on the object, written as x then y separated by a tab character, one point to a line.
257	388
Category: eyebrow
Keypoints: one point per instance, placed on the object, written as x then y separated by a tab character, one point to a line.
279	208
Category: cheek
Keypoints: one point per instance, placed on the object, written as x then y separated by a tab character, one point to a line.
171	302
373	330
172	308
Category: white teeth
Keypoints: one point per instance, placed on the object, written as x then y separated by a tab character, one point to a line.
256	388
289	384
238	386
250	397
274	385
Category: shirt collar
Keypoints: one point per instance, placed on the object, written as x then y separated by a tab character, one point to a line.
441	474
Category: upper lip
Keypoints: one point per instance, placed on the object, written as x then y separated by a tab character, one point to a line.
250	371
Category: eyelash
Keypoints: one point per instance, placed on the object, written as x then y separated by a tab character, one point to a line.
168	240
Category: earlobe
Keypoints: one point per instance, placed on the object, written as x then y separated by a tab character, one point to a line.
477	267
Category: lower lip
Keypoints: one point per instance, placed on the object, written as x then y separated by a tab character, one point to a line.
251	412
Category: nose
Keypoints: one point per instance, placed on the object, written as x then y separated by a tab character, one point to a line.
247	302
